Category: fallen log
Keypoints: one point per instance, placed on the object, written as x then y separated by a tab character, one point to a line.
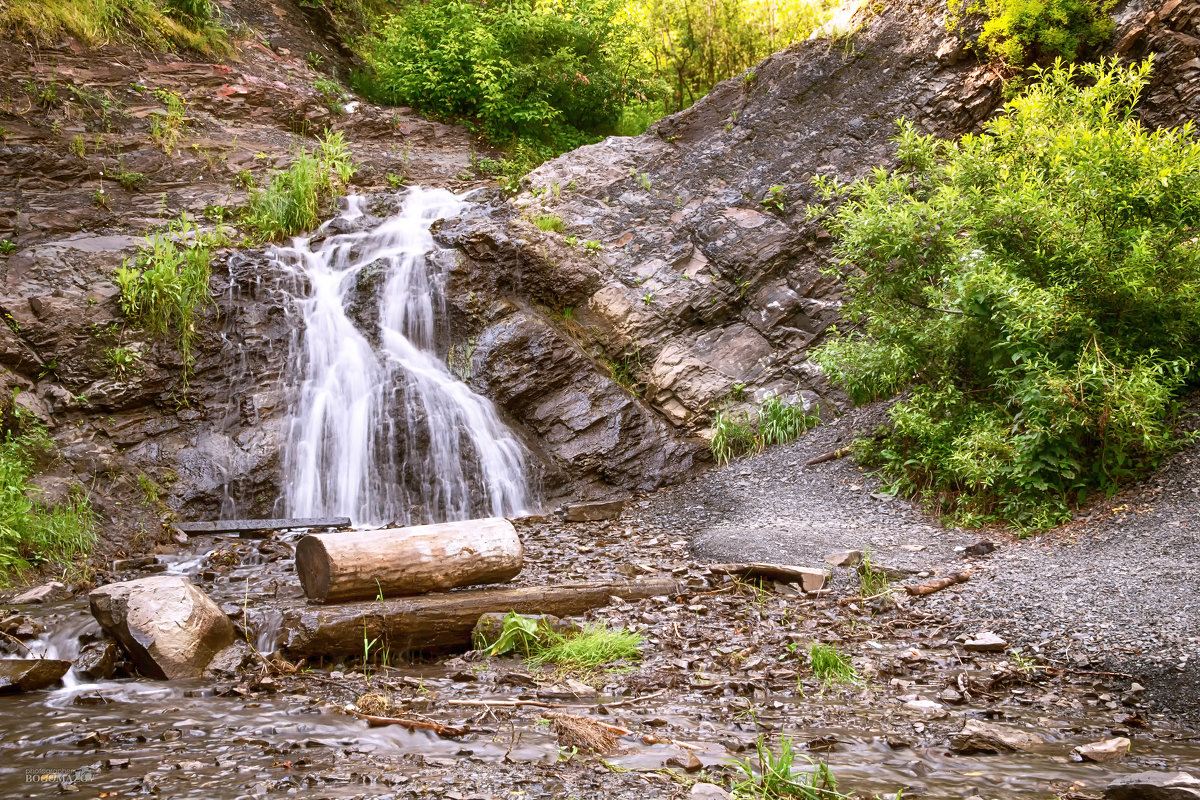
811	580
257	528
832	455
445	620
937	584
448	731
360	565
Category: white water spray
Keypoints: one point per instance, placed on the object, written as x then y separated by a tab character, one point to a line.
384	432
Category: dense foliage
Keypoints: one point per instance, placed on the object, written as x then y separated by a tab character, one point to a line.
550	70
1020	32
32	533
558	73
1036	289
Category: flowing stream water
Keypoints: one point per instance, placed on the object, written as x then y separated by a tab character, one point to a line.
380	429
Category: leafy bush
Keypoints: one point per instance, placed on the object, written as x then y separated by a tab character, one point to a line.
31	533
1037	289
1020	32
164	285
557	72
296	198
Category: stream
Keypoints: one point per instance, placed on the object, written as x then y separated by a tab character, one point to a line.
382	431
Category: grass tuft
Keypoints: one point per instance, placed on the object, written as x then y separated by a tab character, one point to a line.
296	198
774	777
830	666
549	222
186	24
32	533
595	647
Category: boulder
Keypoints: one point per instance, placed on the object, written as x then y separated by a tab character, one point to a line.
1154	786
30	674
168	627
985	642
97	661
845	558
51	592
594	511
1103	751
984	737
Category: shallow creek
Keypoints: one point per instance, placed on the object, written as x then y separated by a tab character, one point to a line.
184	739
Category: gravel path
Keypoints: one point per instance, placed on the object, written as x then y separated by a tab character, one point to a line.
1118	589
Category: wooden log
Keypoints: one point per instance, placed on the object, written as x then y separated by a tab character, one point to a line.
937	584
444	620
360	565
832	455
260	527
810	580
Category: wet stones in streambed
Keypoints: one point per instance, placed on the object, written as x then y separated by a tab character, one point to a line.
1154	786
30	674
984	737
168	627
98	660
51	592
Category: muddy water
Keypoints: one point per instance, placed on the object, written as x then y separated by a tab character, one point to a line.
200	739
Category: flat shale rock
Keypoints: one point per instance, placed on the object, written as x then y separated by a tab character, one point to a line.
1154	786
984	737
30	674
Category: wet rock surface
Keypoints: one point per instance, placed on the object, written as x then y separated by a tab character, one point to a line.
30	674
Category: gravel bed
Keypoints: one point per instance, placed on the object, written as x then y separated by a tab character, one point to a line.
1115	590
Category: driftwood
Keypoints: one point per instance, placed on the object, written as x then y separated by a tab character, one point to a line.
445	620
937	584
412	724
360	565
830	456
258	528
811	580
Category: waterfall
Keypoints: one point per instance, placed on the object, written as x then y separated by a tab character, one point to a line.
380	430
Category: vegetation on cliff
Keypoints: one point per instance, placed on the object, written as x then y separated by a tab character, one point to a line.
161	24
33	533
555	74
1034	290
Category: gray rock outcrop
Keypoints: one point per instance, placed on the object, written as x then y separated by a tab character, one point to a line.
169	628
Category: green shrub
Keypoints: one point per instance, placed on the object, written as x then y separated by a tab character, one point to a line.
1037	289
165	284
32	533
549	222
776	422
1020	32
555	72
296	198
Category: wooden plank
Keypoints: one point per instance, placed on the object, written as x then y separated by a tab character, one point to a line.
445	619
260	527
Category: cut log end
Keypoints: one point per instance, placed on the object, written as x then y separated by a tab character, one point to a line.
312	565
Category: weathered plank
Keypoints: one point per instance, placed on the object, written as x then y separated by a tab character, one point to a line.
445	620
260	527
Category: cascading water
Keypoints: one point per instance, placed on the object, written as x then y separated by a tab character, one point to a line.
384	432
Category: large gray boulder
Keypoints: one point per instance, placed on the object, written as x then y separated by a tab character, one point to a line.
30	674
1154	786
168	627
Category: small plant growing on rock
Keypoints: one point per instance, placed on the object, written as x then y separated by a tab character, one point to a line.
775	198
166	128
549	222
733	437
296	198
79	146
130	181
7	247
592	246
122	360
331	93
100	199
243	179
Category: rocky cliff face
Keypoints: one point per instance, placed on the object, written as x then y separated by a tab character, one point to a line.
704	282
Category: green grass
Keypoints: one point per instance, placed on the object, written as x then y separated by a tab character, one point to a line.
295	199
768	776
166	128
775	422
872	582
830	666
166	283
182	24
549	222
33	534
595	647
